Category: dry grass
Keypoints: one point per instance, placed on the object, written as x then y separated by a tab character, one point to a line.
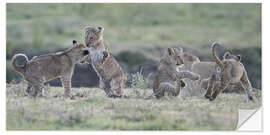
91	110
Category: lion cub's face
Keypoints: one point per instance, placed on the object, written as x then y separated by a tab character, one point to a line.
93	35
174	57
79	51
227	59
230	56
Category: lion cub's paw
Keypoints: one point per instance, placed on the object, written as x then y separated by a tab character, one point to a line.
207	96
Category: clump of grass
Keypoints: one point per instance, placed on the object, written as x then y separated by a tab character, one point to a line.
257	94
139	84
16	89
19	89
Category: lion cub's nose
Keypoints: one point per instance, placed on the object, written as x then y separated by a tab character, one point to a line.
85	52
182	83
105	54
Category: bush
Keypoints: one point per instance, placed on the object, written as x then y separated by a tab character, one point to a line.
139	84
131	58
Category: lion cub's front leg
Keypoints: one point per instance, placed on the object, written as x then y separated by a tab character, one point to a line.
66	83
187	74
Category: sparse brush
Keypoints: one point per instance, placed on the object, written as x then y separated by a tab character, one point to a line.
139	84
257	93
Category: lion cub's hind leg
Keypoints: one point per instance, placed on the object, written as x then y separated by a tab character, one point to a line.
246	85
113	88
167	87
37	84
209	91
38	88
158	93
28	89
210	86
219	88
106	85
116	86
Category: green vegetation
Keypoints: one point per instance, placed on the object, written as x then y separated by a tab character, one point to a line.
131	58
36	29
132	26
91	110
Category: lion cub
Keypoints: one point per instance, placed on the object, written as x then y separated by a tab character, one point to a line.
168	79
47	67
230	70
111	75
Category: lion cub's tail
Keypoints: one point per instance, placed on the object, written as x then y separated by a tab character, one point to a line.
20	69
217	60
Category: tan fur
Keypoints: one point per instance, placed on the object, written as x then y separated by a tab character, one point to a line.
231	71
47	67
204	69
167	78
187	58
111	75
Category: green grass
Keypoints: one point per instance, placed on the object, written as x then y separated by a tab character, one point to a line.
36	29
94	111
133	26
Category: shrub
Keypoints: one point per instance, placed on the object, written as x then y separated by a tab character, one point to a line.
139	84
131	58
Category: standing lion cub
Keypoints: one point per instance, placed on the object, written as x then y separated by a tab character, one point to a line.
230	70
111	75
47	67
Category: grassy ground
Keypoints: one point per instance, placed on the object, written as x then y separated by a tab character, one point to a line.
94	111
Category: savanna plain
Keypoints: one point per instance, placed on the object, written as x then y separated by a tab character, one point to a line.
136	34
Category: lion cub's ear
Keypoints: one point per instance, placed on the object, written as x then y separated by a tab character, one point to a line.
179	49
226	55
75	42
87	28
171	51
239	57
100	28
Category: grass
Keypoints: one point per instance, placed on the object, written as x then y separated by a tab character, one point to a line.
146	29
136	27
92	110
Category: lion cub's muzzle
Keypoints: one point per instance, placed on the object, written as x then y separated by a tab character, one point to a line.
85	54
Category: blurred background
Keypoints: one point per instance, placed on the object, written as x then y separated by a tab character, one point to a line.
136	34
